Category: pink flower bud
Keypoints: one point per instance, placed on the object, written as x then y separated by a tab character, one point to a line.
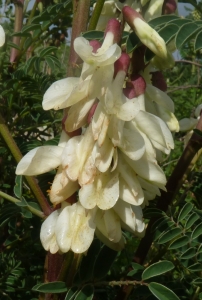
139	84
122	64
169	7
159	81
147	35
114	27
95	44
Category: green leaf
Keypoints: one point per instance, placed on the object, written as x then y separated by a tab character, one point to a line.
198	41
71	293
103	262
18	186
161	292
136	269
162	20
156	269
153	212
51	287
86	293
178	243
22	203
31	27
47	51
197	282
197	231
26	213
197	267
168	32
189	253
185	211
169	235
93	35
13	45
185	32
132	42
180	22
162	228
192	219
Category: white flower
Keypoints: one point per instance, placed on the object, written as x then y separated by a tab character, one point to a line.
68	228
2	36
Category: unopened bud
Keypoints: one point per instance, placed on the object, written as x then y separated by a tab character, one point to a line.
112	32
154	10
122	64
147	35
159	81
139	84
95	44
169	7
40	7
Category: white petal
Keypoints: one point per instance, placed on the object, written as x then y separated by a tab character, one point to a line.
156	130
57	94
40	160
62	187
114	246
187	124
103	155
140	226
132	144
2	36
63	230
113	226
77	114
83	49
158	96
128	110
47	234
126	215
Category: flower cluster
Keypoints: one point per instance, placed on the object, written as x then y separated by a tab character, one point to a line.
118	122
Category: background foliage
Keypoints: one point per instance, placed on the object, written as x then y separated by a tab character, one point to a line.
173	267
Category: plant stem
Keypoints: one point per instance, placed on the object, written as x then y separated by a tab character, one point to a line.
4	131
79	24
30	208
65	266
17	27
96	14
73	269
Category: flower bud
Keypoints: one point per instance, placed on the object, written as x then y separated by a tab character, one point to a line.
147	35
159	81
122	64
169	7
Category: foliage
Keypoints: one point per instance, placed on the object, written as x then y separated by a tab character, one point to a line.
172	269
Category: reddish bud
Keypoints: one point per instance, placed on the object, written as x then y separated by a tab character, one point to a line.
95	44
122	64
130	14
169	7
114	26
159	81
139	84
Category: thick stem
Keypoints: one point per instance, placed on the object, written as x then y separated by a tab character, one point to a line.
17	27
30	208
4	131
80	19
96	14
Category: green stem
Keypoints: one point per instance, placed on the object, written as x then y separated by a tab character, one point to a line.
30	208
65	266
73	269
4	131
96	14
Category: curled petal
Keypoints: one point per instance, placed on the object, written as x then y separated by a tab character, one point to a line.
47	234
57	94
40	160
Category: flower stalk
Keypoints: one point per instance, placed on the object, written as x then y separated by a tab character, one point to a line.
96	14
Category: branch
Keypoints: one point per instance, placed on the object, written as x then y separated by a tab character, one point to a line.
188	62
79	24
184	87
4	131
96	14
